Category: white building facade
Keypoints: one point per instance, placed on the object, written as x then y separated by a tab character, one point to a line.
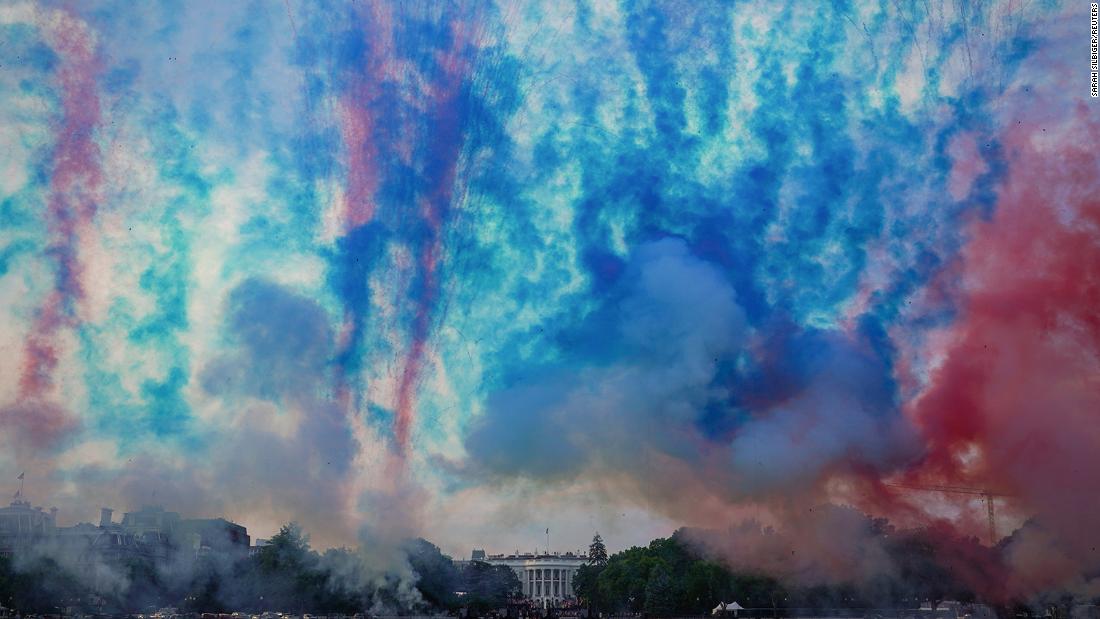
546	578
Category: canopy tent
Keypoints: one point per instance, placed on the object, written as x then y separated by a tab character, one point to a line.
726	607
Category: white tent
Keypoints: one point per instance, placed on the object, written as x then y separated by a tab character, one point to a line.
725	607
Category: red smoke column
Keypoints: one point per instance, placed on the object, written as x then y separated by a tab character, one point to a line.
1020	384
357	128
446	144
75	183
358	122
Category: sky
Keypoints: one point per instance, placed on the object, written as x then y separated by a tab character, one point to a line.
475	270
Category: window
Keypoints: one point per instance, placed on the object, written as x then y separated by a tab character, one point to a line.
555	589
538	588
556	575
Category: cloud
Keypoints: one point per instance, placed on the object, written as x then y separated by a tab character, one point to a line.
37	425
282	343
678	398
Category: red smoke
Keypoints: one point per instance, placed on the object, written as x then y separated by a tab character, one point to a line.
1019	387
445	145
358	119
441	102
75	182
36	425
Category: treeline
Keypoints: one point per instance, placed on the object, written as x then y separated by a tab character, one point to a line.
287	575
667	578
685	574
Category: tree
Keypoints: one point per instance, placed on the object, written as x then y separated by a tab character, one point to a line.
42	585
288	570
586	586
288	549
597	552
145	587
489	586
436	573
670	577
7	582
920	569
623	581
704	584
660	594
342	592
204	592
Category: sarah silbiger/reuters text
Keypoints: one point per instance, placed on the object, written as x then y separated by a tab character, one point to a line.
1094	44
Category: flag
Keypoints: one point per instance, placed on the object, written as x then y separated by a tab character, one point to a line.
547	530
21	475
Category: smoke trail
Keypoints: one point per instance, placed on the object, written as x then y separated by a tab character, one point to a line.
447	100
75	184
359	127
403	122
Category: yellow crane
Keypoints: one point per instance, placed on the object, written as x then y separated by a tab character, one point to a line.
986	495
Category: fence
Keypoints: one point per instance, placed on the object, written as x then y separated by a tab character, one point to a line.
815	613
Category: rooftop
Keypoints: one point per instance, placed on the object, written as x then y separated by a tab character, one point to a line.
534	556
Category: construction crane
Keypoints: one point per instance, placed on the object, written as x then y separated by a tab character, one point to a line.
987	495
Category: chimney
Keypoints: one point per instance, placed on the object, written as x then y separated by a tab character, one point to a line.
105	516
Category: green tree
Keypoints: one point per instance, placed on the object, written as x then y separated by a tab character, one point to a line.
704	584
586	579
586	586
145	587
622	582
489	587
286	550
660	593
670	576
289	577
42	585
342	592
597	552
437	576
204	592
922	573
7	582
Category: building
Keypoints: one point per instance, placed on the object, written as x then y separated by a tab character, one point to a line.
199	535
109	541
258	547
547	578
22	526
88	545
150	533
151	519
214	535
